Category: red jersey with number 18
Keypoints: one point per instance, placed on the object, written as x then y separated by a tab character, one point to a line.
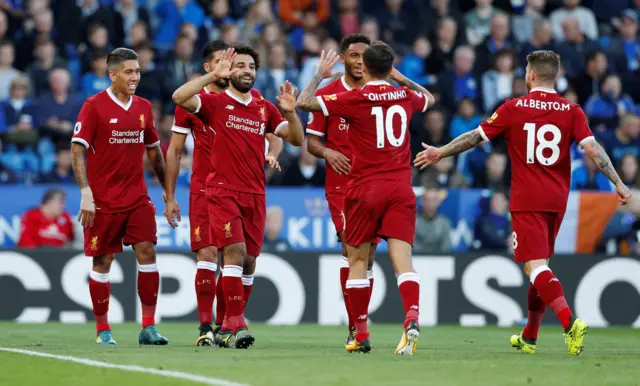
539	129
378	115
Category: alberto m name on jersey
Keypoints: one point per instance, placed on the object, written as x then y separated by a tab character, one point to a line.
542	105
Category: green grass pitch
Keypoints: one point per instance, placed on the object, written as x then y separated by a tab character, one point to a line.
309	355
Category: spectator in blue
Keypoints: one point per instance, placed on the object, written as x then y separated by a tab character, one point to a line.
98	79
150	86
413	64
588	177
605	108
7	72
588	82
57	111
97	40
465	120
180	65
460	82
127	13
573	50
171	15
542	39
43	28
269	79
625	48
39	71
497	41
497	83
63	172
18	110
623	140
492	230
629	170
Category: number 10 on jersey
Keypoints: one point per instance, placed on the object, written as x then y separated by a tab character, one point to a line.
537	153
385	125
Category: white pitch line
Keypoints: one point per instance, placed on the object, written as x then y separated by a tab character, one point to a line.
137	369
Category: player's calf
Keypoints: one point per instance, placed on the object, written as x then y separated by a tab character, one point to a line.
100	291
205	287
357	287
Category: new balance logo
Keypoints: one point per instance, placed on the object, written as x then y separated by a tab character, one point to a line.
414	307
113	120
553	279
362	317
229	107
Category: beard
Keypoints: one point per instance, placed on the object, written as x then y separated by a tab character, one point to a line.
240	85
222	83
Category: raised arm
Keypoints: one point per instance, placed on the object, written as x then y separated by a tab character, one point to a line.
87	204
431	155
599	156
404	81
293	132
307	100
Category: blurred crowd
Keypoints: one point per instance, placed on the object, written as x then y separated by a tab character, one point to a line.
470	53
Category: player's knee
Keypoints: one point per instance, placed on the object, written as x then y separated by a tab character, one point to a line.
146	253
235	254
102	263
209	254
249	265
529	266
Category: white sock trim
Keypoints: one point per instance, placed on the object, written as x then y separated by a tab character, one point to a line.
370	274
232	271
357	283
99	277
344	262
537	271
409	276
247	279
148	268
207	265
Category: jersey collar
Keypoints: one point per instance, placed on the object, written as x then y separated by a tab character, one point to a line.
345	84
543	89
235	97
118	101
377	83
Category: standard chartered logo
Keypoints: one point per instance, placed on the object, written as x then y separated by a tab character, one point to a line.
244	124
119	137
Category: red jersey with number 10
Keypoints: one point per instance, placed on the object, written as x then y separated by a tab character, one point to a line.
378	115
539	129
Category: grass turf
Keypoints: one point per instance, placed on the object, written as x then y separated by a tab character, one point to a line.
311	355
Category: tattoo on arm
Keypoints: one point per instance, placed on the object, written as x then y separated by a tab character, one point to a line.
79	164
602	161
461	144
307	100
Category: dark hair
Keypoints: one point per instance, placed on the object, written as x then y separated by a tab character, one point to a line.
120	55
242	49
51	194
545	63
94	27
352	39
378	58
143	45
212	48
593	54
98	53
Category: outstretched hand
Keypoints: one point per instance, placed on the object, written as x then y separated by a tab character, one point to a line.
429	156
287	98
328	60
223	68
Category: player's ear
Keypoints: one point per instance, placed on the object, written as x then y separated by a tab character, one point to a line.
112	76
342	58
207	67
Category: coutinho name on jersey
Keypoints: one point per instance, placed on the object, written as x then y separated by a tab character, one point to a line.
387	96
126	137
540	105
245	124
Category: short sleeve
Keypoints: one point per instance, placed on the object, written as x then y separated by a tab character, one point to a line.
151	137
317	124
181	121
580	131
207	107
85	127
275	120
341	104
418	100
496	126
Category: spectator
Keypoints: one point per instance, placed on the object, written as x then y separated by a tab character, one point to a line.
370	29
98	79
230	34
492	230
497	84
629	171
604	109
7	72
138	34
588	177
269	79
432	131
171	14
540	40
587	83
631	84
478	21
179	66
399	21
526	22
465	120
624	49
273	242
220	17
437	11
574	48
57	111
63	172
311	63
291	11
497	41
19	112
127	14
433	230
306	172
49	225
624	140
585	19
150	78
460	82
43	28
75	18
444	175
413	64
259	15
445	43
4	26
493	176
39	71
97	41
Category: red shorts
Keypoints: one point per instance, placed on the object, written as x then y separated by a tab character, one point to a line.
237	217
336	208
111	230
199	222
380	208
534	234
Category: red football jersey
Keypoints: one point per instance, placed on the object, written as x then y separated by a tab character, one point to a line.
378	115
539	129
116	136
238	154
335	131
40	231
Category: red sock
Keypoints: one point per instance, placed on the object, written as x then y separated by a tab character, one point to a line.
148	286
358	290
234	296
550	290
100	290
536	307
344	274
205	290
370	277
409	286
247	284
220	305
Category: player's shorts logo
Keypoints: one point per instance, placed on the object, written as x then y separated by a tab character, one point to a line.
94	243
196	234
227	230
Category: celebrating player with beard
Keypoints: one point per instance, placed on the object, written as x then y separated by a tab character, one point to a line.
236	190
